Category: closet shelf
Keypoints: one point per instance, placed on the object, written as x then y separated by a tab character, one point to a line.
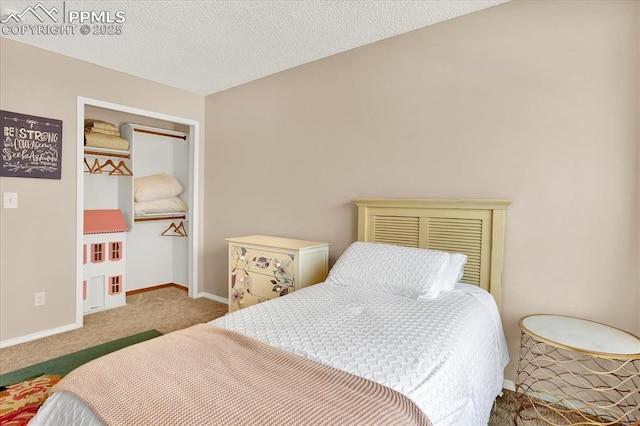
106	153
160	217
177	135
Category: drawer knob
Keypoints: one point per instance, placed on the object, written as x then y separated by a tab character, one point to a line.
277	264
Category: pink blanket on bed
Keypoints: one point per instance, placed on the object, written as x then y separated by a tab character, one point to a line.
205	375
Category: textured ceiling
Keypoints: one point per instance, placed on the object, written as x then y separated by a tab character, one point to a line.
208	46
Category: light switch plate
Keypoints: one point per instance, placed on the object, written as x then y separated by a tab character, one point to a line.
10	200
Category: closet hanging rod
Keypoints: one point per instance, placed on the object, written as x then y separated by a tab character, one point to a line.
106	154
146	219
169	135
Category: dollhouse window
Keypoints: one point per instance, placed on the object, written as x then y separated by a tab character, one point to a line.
115	250
84	288
84	254
115	284
97	253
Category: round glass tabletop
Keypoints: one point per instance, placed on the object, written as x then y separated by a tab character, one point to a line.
582	335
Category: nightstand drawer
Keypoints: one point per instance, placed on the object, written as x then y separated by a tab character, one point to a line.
254	288
266	262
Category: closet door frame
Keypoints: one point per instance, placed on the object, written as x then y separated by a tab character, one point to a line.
194	207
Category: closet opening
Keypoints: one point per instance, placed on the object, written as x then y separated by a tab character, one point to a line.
137	204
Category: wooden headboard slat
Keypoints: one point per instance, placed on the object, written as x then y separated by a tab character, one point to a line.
474	227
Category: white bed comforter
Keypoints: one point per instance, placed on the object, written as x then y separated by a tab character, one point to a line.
447	354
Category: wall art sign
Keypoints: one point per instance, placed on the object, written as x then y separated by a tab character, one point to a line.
31	146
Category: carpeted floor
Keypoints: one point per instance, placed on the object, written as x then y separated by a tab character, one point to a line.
62	365
165	310
504	410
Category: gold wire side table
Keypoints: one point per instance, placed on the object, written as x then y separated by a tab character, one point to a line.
573	371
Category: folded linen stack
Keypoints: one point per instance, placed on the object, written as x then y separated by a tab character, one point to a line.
100	134
157	194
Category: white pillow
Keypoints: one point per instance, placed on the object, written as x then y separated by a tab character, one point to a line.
406	271
455	270
168	205
156	187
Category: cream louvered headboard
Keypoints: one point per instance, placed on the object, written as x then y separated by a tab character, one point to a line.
471	227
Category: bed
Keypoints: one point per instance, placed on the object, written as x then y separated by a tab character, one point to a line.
405	330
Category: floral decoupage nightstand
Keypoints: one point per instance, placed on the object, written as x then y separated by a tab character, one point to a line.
263	268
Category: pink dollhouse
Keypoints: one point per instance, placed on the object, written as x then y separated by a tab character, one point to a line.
103	275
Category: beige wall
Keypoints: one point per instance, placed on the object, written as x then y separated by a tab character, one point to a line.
638	169
38	244
533	101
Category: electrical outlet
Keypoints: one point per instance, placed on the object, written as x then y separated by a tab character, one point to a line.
40	298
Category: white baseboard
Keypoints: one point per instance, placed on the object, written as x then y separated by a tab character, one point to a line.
38	335
509	385
213	297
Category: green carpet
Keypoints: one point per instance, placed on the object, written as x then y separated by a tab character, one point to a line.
64	364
